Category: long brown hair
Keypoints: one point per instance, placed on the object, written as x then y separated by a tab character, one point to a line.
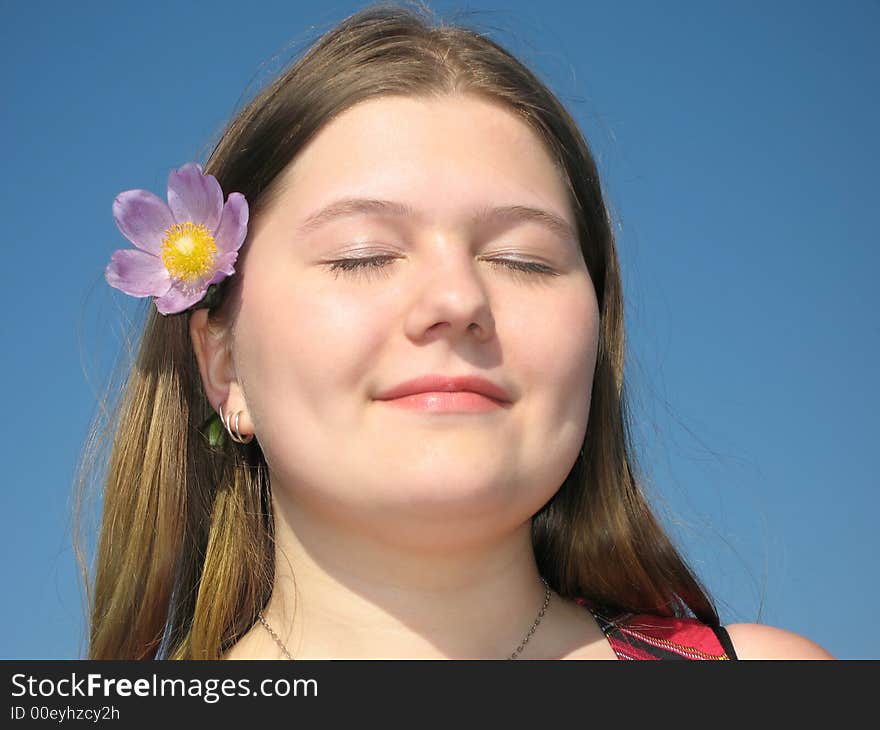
185	557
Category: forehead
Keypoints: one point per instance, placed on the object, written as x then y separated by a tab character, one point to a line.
457	152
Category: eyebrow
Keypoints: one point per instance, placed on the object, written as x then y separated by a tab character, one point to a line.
347	207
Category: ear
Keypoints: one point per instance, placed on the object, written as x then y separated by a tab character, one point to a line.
214	357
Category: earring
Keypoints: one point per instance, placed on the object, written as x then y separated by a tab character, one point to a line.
237	435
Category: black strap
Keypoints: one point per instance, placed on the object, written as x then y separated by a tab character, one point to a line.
726	643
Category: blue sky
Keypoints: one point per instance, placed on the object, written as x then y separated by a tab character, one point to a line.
738	147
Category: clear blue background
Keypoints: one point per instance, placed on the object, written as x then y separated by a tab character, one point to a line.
738	147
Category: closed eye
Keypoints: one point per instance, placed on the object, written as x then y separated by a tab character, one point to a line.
370	264
527	266
362	263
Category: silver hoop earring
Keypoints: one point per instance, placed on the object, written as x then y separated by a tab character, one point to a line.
241	439
237	437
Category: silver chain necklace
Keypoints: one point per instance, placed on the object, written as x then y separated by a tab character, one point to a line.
512	656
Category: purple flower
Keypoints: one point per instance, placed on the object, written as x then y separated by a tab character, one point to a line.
184	246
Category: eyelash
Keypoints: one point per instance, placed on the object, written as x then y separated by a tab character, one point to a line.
371	264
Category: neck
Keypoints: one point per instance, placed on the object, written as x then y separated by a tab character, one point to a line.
348	591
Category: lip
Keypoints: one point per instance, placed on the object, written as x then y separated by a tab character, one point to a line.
437	385
460	401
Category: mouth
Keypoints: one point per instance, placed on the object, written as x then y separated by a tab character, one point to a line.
461	401
439	390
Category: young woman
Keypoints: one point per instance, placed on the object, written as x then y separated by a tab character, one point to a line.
408	319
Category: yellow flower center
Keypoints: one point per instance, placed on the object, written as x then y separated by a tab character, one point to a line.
188	252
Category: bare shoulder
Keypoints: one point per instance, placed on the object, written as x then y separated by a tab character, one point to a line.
756	641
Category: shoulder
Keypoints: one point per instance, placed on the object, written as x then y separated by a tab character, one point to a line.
756	641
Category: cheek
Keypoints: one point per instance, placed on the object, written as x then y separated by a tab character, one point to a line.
556	341
300	334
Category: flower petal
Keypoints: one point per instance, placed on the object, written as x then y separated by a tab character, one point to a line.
177	300
143	219
225	267
137	273
233	224
194	197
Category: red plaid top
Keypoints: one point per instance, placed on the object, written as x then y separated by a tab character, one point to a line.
644	636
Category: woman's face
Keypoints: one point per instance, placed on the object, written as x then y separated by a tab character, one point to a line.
314	346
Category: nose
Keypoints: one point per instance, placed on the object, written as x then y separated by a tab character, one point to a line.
451	298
